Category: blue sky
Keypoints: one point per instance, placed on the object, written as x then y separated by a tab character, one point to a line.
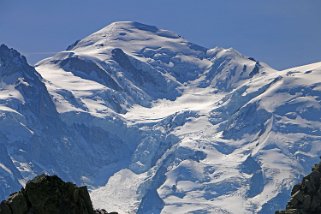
282	33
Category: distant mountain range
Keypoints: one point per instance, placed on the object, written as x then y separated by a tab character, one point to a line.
153	123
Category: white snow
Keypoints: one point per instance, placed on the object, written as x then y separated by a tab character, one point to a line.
193	99
175	128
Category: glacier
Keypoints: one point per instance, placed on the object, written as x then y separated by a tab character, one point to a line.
153	123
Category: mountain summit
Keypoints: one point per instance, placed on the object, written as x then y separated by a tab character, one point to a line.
157	124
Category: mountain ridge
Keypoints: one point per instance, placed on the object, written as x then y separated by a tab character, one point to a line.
183	128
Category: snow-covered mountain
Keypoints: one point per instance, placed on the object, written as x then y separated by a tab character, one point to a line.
155	124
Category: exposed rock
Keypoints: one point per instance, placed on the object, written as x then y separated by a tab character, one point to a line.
18	203
306	197
49	194
103	211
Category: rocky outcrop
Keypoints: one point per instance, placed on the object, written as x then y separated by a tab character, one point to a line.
49	194
306	196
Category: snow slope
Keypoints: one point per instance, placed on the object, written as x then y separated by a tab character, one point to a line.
155	124
238	152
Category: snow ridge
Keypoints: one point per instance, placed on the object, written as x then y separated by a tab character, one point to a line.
157	124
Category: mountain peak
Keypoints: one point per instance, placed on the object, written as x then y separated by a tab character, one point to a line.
13	65
7	54
134	24
135	37
135	27
184	128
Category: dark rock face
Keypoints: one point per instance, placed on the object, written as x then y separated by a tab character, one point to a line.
306	197
49	194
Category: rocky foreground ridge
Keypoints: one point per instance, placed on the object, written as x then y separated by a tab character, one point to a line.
306	196
49	194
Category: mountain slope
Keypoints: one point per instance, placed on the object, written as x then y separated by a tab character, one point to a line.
239	152
35	138
157	124
23	118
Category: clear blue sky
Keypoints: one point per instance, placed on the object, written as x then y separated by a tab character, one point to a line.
282	33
